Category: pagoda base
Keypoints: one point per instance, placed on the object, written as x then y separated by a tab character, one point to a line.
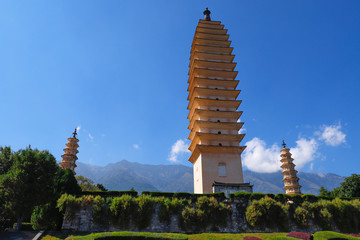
232	187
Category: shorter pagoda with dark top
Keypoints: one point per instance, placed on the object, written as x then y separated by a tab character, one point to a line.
291	181
69	158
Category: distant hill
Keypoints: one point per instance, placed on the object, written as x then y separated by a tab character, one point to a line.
124	175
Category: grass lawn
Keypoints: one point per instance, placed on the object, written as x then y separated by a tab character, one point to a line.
201	236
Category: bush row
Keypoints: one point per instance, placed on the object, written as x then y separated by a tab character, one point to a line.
219	195
108	193
269	213
283	198
121	211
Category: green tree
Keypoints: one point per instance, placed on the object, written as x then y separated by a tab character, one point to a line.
34	179
6	159
350	187
101	187
86	184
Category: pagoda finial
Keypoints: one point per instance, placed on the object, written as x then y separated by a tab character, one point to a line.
74	133
284	144
207	15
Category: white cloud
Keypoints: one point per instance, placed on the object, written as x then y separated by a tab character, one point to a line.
304	152
332	135
91	137
259	158
136	146
178	148
78	128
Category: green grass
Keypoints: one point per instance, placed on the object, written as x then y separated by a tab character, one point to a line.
324	235
201	236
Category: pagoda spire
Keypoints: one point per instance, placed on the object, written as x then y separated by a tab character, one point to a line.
69	158
291	181
207	15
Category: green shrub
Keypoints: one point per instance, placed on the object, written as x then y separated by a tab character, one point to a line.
183	195
25	226
302	217
310	198
192	218
323	235
46	217
266	212
121	209
240	195
69	205
257	196
168	207
346	215
215	213
100	210
108	193
144	211
296	198
270	195
281	197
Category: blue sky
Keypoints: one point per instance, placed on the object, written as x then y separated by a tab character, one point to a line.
118	70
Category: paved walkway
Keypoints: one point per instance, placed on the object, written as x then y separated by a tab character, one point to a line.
18	235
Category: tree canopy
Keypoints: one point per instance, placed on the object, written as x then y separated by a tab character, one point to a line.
31	178
349	188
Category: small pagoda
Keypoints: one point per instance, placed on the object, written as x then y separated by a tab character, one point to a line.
69	158
291	181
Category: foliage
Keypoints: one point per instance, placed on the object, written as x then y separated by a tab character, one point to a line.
6	159
310	198
296	198
266	212
240	195
301	217
300	235
257	196
144	211
101	187
86	184
100	210
130	235
69	205
351	186
109	193
282	197
122	208
208	212
346	215
46	217
29	182
323	235
168	207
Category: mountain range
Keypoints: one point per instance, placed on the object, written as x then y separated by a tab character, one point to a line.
124	175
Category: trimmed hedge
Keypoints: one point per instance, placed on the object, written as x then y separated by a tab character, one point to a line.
130	235
218	195
240	195
324	235
108	193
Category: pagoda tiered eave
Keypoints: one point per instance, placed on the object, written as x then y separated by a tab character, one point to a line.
202	137
212	74
206	114
212	83
212	92
214	149
199	63
212	57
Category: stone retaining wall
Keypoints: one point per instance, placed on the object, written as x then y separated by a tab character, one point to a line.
237	223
